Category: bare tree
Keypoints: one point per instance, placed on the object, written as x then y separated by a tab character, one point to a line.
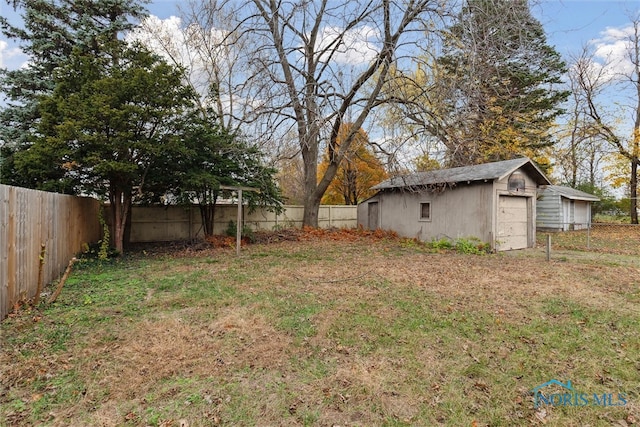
300	67
596	83
325	61
581	150
216	59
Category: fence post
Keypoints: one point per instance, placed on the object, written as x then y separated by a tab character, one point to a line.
190	222
239	223
548	247
589	235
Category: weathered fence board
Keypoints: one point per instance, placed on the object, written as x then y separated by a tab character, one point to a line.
30	218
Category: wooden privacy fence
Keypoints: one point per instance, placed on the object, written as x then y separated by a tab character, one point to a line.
29	219
171	223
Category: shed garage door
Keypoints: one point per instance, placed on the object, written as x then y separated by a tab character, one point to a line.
513	224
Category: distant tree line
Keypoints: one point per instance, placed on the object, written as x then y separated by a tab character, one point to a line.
337	95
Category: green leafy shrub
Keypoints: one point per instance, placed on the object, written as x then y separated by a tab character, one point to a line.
441	244
472	246
247	232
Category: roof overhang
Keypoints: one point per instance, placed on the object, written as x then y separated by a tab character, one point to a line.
534	172
570	193
487	172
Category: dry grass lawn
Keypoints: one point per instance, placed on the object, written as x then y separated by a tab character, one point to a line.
327	331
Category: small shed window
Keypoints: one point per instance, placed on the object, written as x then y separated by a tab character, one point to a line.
516	181
425	211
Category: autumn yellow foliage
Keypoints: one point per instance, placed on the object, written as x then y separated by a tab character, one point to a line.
358	172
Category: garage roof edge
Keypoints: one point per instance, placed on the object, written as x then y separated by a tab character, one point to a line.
486	171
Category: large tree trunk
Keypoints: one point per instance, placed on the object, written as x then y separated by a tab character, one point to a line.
313	189
309	150
311	209
208	211
311	199
574	165
120	205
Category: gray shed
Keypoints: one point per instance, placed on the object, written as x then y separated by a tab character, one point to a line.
563	208
494	202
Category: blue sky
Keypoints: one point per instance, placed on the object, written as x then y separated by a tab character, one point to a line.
569	23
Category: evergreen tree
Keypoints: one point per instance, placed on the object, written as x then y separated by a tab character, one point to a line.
51	30
104	117
502	80
108	120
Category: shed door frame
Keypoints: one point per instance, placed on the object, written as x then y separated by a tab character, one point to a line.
373	215
530	224
565	214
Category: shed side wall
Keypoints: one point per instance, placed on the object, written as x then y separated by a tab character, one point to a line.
582	214
460	212
549	212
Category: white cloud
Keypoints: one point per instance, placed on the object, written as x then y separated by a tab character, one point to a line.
11	57
201	52
612	50
356	47
207	55
170	40
163	36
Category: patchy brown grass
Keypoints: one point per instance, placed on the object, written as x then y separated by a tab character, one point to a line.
620	239
329	328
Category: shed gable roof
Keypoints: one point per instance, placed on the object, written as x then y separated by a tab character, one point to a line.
483	172
570	193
